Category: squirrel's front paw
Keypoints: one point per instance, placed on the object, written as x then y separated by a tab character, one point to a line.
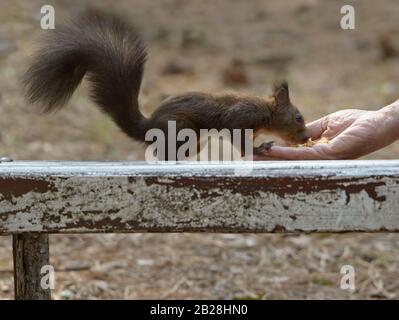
263	148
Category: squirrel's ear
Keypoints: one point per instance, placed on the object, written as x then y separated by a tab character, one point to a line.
281	93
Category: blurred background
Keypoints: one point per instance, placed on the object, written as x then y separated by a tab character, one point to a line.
213	46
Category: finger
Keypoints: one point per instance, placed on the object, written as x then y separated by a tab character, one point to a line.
263	157
289	153
317	127
259	157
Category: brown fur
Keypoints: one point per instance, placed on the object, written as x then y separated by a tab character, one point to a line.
111	54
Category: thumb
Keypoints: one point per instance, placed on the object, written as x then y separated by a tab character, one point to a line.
317	127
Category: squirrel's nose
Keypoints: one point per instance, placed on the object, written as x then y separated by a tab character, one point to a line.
305	137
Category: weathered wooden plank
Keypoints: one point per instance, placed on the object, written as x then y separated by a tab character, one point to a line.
31	253
335	196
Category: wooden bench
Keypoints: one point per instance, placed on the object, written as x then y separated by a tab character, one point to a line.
42	197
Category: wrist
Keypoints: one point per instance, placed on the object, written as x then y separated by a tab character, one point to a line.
390	115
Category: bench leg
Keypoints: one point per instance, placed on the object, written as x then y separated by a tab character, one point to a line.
31	252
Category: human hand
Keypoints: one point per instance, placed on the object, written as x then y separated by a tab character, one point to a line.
352	133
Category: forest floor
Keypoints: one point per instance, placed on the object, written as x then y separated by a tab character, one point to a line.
195	46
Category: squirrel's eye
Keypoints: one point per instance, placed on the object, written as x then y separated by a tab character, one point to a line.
298	118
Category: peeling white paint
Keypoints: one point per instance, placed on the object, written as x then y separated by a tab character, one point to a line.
122	197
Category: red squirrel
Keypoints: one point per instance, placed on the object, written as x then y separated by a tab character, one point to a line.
109	52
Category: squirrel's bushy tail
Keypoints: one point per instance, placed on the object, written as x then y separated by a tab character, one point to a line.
105	49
